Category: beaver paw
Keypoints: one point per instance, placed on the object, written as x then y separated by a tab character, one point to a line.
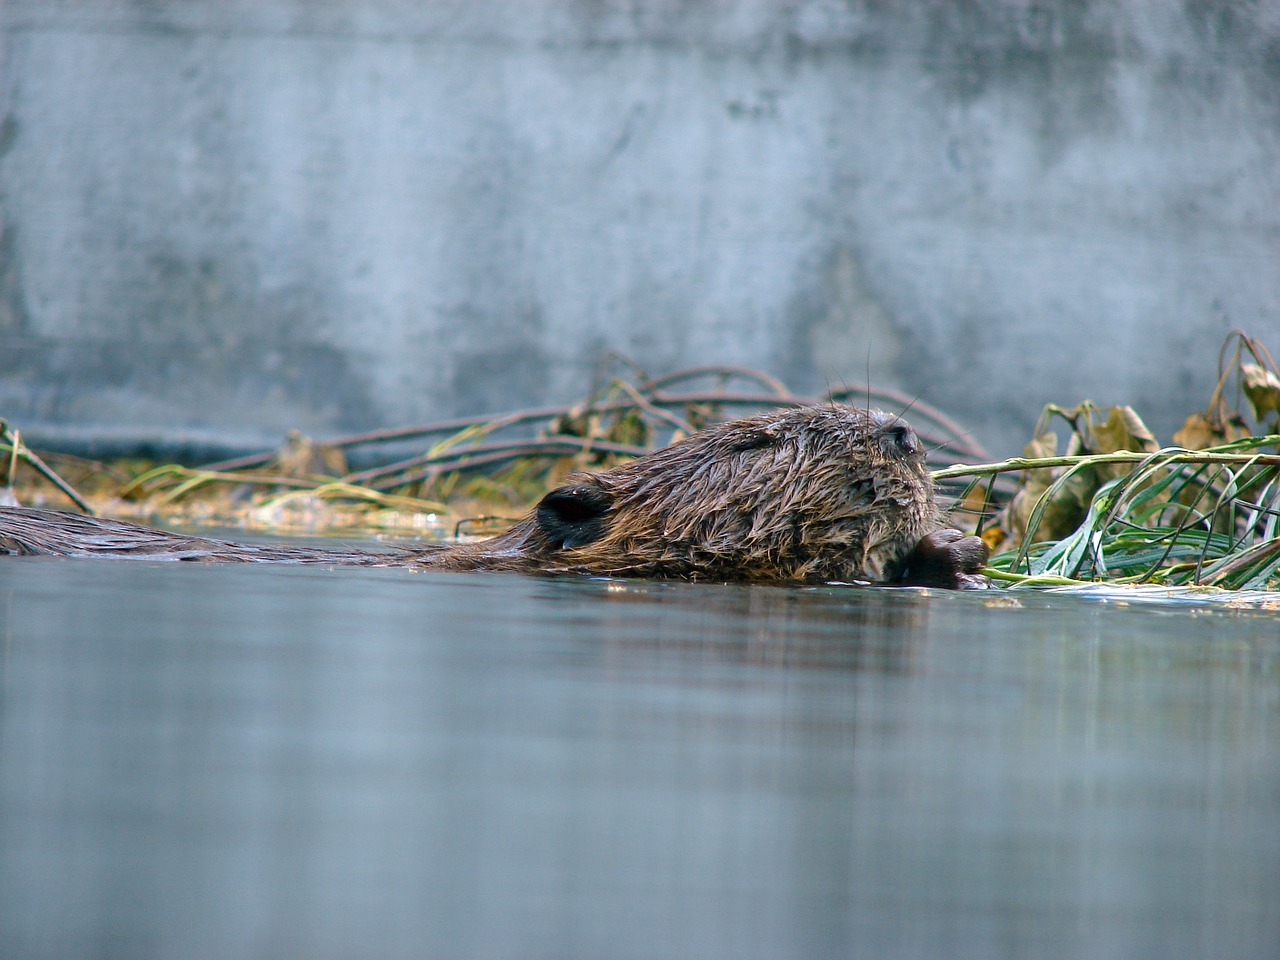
947	558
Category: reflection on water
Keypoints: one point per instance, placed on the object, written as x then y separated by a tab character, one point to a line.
271	762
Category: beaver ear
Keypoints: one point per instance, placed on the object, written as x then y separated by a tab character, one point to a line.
574	515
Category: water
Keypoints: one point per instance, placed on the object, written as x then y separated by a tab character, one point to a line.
273	762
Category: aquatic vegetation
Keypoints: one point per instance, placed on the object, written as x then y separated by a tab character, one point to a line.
1120	508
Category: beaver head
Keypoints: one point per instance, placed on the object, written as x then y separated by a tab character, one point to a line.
813	494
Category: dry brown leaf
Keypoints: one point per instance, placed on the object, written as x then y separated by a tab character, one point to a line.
1124	430
1197	433
1262	387
1067	508
1200	431
303	457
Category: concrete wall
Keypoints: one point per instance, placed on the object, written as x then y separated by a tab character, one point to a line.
223	219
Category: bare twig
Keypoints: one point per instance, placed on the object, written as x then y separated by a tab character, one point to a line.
20	451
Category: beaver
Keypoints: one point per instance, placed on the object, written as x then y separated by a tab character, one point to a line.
814	494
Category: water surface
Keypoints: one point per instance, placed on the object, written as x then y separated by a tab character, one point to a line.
275	761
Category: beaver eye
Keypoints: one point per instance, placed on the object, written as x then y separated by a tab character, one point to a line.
899	440
755	441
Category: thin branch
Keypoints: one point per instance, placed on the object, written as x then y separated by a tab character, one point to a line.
20	450
1169	455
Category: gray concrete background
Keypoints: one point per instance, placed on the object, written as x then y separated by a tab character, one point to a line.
222	219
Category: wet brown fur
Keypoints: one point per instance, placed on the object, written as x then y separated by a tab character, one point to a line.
810	494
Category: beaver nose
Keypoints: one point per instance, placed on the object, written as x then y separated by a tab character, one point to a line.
899	440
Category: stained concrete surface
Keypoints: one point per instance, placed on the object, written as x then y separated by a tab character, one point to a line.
223	220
